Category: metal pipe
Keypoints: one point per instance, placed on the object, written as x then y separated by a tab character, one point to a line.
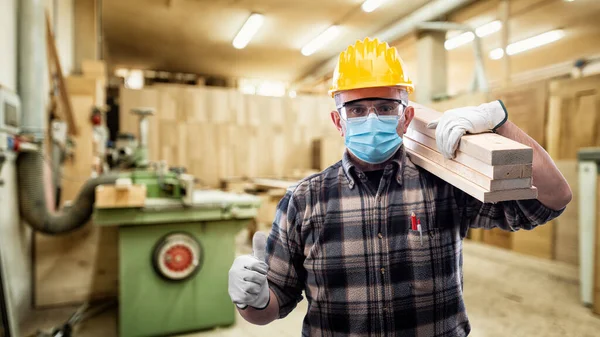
30	164
32	67
431	11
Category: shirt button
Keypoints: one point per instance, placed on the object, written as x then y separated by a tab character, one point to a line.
382	270
380	236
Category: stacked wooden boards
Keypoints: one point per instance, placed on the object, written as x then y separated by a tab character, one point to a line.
487	166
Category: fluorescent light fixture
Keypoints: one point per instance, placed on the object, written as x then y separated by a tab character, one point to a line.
488	28
321	40
134	79
371	5
459	40
497	54
527	44
534	42
248	30
466	37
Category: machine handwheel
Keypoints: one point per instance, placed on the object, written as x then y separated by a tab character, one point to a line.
177	256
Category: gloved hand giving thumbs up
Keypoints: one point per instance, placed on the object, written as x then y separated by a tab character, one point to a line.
248	284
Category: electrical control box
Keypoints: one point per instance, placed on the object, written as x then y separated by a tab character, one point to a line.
10	117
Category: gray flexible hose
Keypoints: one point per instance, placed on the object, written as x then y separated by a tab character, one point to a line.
32	197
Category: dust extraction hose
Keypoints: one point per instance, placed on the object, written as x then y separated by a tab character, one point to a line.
32	198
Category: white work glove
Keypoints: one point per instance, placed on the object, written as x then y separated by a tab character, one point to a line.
455	123
248	284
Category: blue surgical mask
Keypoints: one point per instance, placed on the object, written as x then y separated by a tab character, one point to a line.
373	140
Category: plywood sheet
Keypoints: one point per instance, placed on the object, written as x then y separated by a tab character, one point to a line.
76	267
573	116
526	106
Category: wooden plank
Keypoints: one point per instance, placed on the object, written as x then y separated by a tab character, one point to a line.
110	196
469	187
73	128
273	183
76	267
494	172
490	148
465	171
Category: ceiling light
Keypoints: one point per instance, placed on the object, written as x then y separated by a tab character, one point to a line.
134	79
371	5
534	42
292	94
488	28
466	37
497	54
248	30
530	43
459	40
321	40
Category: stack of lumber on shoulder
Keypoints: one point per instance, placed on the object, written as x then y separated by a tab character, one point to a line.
487	166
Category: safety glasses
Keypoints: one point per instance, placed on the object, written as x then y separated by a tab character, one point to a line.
358	111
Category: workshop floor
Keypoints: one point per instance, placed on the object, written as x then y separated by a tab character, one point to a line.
506	294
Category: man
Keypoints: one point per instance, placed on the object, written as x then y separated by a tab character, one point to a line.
344	236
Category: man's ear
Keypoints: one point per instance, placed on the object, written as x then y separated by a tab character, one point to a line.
409	114
337	121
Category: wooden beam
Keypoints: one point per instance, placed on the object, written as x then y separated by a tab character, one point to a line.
494	172
465	171
273	183
490	148
64	95
470	188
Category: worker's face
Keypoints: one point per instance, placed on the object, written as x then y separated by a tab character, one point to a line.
371	93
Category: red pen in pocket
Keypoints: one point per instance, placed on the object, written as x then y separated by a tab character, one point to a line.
413	221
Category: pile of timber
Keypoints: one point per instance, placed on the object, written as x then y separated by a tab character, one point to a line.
487	166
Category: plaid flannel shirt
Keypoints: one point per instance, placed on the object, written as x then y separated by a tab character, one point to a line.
364	272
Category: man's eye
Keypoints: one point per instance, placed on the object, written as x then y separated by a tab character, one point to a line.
385	108
357	111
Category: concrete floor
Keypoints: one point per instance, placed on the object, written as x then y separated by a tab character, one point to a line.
506	294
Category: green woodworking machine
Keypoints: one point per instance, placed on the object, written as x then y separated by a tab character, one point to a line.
176	245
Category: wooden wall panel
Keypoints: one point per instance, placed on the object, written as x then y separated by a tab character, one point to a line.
573	116
526	107
218	133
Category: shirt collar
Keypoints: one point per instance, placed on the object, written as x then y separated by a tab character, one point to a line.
398	159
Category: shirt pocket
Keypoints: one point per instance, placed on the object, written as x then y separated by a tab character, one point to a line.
433	259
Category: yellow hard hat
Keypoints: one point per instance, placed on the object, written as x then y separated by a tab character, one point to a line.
367	64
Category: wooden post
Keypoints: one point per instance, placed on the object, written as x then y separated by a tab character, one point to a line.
431	66
86	32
